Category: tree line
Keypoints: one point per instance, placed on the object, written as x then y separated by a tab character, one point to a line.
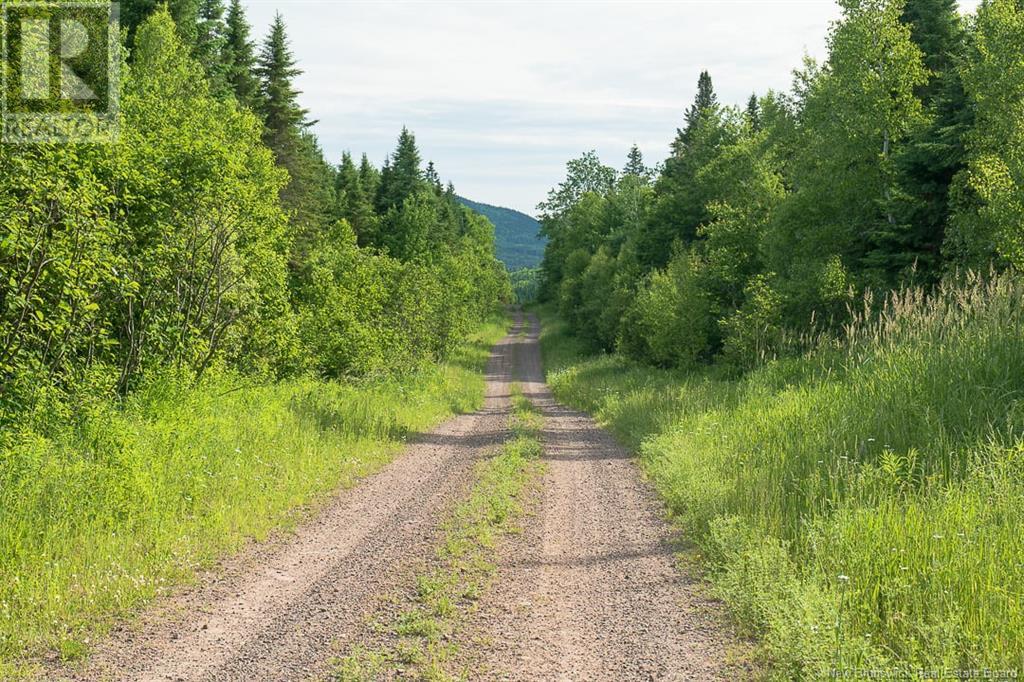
215	236
898	160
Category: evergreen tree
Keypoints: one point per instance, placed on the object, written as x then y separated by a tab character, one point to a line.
681	201
753	113
934	154
369	177
706	102
433	179
402	176
239	56
353	201
635	165
308	197
278	101
184	12
211	43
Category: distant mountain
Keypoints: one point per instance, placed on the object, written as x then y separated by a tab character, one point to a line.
516	235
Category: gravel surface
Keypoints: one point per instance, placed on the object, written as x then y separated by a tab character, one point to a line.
282	610
592	589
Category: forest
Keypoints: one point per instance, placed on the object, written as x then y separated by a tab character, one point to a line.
210	279
806	320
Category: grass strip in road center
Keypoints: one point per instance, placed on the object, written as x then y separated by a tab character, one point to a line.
419	641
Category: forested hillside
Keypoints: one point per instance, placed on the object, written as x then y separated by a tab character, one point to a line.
517	239
186	293
827	279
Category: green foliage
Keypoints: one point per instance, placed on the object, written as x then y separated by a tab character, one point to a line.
858	506
672	315
989	194
154	290
891	163
239	56
106	505
525	285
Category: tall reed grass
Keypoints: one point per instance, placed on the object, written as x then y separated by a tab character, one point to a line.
127	500
859	507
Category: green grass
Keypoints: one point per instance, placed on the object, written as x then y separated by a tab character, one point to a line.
129	500
422	643
859	507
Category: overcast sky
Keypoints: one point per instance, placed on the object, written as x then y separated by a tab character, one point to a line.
501	95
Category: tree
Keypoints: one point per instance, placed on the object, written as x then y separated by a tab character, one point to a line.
308	197
183	12
278	101
706	102
211	43
402	176
573	216
858	113
204	234
680	205
239	57
635	165
988	196
934	153
753	113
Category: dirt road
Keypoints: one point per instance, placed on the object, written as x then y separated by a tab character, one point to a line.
589	591
592	590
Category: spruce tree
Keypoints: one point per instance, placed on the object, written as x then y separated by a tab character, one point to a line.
278	101
753	113
369	177
635	165
211	42
934	154
401	176
706	102
184	13
239	56
681	201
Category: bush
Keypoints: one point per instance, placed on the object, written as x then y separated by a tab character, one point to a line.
670	322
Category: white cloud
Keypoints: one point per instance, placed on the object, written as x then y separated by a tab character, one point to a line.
500	95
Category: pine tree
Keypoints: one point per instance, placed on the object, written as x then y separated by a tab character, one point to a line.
681	201
239	56
433	179
369	177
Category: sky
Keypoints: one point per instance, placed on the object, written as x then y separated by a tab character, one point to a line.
501	95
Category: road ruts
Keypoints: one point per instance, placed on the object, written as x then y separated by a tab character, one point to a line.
591	590
281	611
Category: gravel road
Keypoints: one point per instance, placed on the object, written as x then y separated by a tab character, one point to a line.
592	589
589	591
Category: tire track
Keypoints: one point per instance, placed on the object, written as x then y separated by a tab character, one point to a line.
281	610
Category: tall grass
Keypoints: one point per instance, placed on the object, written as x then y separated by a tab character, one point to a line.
859	507
126	500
